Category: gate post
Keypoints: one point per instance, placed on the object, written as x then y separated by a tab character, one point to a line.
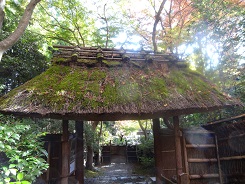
178	155
65	153
79	152
157	153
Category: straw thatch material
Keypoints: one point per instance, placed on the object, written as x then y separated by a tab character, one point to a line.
113	85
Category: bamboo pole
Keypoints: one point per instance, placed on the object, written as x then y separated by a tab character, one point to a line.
229	120
112	51
196	160
185	156
198	176
218	159
232	158
65	153
200	146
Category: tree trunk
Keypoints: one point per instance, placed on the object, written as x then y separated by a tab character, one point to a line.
157	19
90	151
2	5
89	162
79	152
24	21
144	129
99	152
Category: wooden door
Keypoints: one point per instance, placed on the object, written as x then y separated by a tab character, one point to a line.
167	154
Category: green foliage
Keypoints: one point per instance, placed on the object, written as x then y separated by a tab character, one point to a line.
91	174
146	152
218	40
23	151
238	90
21	63
198	119
26	58
91	136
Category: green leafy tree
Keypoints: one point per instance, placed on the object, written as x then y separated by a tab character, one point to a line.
21	63
219	38
22	151
25	58
90	140
74	23
64	22
11	39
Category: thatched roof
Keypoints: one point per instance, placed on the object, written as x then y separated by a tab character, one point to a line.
109	84
228	128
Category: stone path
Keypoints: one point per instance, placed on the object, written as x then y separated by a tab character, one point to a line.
118	173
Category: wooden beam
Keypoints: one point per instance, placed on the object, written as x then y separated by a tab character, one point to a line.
179	167
156	128
79	152
197	176
200	145
228	120
65	171
201	160
185	156
233	158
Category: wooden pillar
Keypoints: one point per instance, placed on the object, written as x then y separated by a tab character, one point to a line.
156	128
179	167
65	153
79	152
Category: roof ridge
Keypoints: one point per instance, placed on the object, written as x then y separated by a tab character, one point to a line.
109	56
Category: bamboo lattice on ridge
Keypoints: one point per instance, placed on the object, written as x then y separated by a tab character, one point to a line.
122	56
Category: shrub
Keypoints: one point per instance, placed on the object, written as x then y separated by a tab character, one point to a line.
22	151
146	152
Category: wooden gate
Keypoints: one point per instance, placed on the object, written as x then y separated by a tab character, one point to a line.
202	161
166	152
200	157
53	146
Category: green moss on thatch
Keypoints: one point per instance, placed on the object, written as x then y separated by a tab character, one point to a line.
112	63
59	60
73	89
87	61
137	63
182	64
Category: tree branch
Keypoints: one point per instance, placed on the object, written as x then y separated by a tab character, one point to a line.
80	34
2	14
157	19
24	21
167	123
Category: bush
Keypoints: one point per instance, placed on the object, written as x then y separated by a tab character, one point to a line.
146	152
22	151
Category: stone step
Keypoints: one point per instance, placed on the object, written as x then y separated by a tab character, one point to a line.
119	180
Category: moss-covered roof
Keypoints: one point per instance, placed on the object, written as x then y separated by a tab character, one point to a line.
119	91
